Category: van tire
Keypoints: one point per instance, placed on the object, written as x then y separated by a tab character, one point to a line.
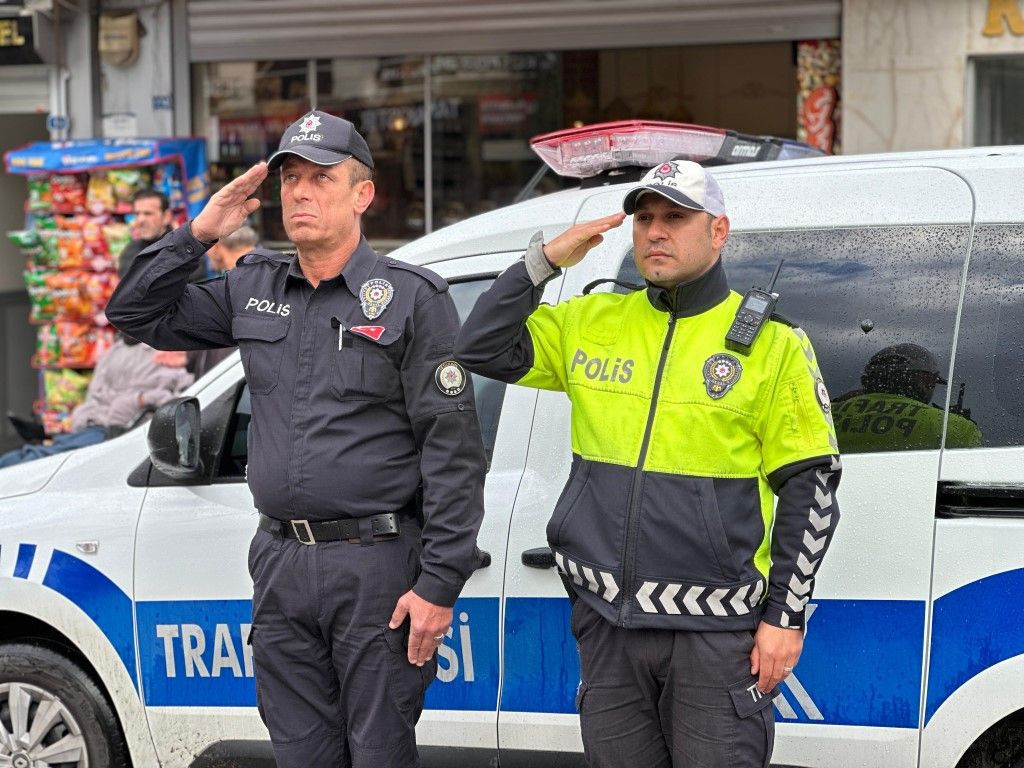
1001	746
43	674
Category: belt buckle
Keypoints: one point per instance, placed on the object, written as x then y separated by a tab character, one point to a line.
302	526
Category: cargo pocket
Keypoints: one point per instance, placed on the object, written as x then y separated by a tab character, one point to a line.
756	732
406	682
366	370
261	343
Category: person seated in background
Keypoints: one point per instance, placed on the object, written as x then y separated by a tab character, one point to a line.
223	256
894	411
129	379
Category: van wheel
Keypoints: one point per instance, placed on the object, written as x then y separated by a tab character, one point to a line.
1002	746
52	714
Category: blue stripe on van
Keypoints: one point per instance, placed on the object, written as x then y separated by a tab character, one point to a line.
101	599
26	554
974	627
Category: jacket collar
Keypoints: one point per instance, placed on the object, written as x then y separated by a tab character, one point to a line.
692	298
357	269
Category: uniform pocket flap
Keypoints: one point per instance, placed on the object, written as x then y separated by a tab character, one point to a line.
376	334
259	328
748	699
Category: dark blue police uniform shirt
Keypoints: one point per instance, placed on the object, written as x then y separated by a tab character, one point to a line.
345	423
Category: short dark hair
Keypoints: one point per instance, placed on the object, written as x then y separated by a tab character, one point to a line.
152	194
359	171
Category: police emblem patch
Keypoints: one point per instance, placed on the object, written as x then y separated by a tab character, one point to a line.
375	295
822	394
450	378
721	372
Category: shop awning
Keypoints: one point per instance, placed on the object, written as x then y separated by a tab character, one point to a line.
81	155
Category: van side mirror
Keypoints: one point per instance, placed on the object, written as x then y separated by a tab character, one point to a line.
174	439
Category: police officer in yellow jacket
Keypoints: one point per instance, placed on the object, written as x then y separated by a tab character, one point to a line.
689	591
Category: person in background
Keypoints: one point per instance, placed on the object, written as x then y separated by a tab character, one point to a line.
223	256
151	211
228	250
129	379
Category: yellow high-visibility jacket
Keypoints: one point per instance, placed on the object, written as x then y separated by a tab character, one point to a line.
679	446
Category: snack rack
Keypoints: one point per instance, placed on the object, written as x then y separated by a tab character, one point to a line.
77	222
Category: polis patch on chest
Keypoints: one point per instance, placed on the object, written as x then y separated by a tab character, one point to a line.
616	369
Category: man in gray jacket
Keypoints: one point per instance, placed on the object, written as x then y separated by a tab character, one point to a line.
128	379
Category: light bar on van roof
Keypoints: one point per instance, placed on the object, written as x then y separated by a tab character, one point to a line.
593	149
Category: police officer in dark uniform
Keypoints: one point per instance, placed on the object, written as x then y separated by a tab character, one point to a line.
365	456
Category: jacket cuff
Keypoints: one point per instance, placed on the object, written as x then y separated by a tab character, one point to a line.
537	264
783	616
436	591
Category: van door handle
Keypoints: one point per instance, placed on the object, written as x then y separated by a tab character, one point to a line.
960	500
542	557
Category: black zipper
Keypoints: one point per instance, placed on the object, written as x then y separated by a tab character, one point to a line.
635	498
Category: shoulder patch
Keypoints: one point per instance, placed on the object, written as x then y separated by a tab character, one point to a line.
439	283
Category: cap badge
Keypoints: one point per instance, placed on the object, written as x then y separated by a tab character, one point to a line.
375	295
665	171
309	124
721	372
450	378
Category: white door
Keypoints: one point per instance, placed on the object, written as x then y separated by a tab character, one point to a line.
976	665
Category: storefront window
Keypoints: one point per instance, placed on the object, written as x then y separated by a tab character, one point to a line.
486	108
384	99
999	108
456	143
247	106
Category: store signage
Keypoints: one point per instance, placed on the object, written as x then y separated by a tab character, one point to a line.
16	41
57	123
1003	15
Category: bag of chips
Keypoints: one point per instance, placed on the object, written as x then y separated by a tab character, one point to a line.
126	182
100	194
41	305
65	389
39	198
69	300
68	193
47	347
117	235
77	344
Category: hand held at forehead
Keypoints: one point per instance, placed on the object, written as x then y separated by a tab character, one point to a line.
755	310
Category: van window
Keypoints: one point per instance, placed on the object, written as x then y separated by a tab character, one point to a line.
879	305
489	393
988	376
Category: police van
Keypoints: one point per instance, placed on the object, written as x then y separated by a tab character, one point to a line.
124	595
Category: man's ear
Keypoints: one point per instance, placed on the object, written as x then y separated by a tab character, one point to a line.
719	232
364	195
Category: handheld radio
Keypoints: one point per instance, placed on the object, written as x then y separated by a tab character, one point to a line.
755	310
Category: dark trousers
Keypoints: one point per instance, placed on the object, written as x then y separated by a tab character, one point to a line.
658	698
333	684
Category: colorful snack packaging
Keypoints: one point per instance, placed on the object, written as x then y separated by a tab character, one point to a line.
126	182
66	291
47	346
100	194
41	305
68	192
77	344
65	389
117	235
39	198
55	422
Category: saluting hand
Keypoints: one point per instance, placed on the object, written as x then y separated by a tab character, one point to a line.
569	248
230	206
427	625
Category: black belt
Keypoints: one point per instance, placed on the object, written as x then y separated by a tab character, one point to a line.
363	530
